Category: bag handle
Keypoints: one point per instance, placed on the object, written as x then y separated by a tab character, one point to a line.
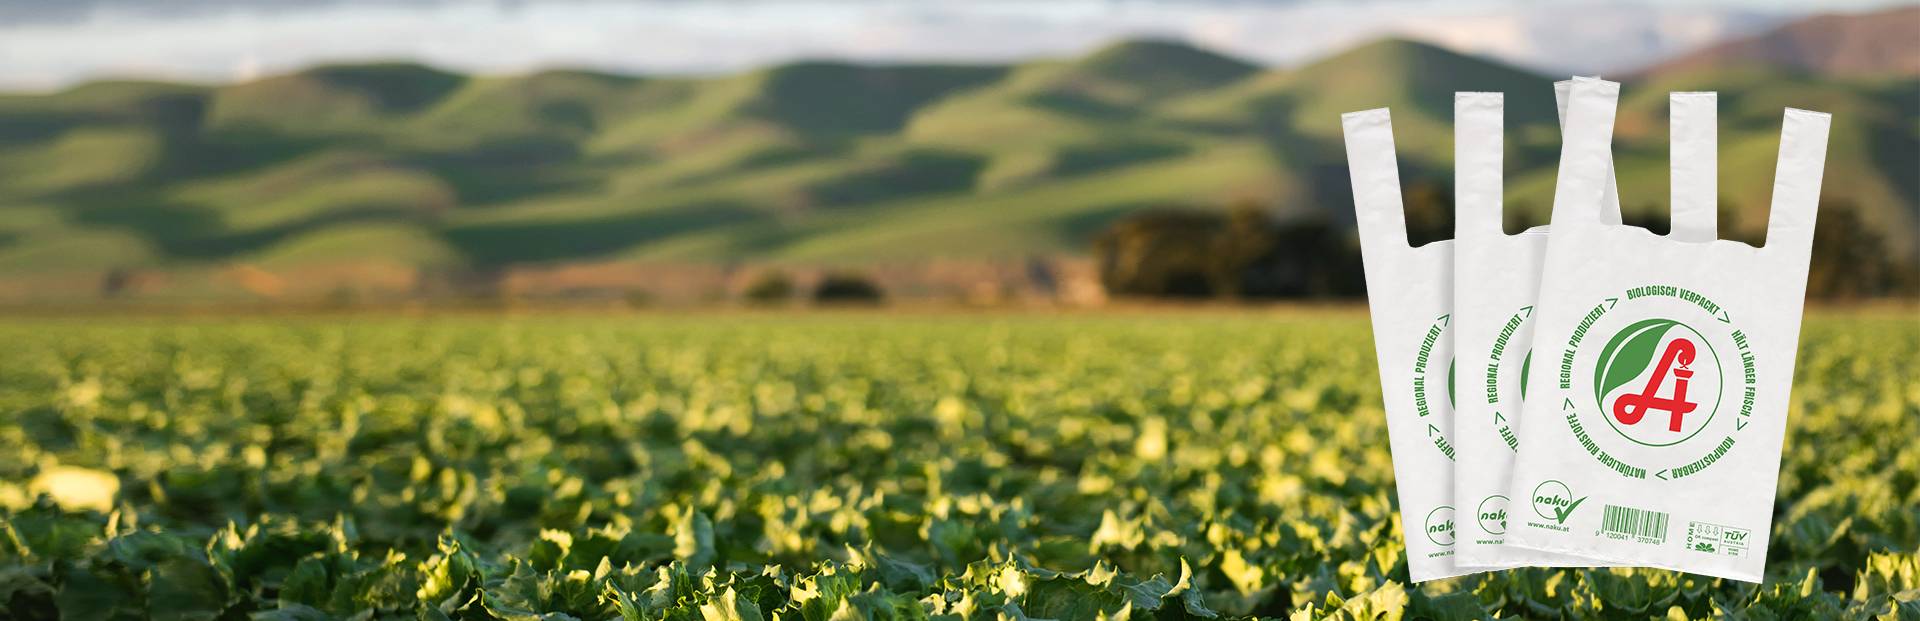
1796	182
1586	154
1610	208
1695	186
1477	151
1479	205
1376	180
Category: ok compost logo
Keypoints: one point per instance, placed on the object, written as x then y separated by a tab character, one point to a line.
1664	362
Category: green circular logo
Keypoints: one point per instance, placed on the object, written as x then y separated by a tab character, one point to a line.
1440	526
1552	500
1492	515
1657	382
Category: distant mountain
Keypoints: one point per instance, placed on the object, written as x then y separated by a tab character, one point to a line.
1883	43
416	167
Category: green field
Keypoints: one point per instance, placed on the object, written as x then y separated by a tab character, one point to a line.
834	466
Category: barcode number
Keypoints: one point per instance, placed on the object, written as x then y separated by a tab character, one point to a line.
1647	526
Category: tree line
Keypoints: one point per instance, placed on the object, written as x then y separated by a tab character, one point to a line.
1244	252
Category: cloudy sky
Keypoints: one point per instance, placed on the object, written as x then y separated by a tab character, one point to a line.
46	44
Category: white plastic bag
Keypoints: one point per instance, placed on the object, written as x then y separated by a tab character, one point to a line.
1496	282
1409	293
1661	367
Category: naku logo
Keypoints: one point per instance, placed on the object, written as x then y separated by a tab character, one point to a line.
1440	526
1554	501
1492	515
1657	381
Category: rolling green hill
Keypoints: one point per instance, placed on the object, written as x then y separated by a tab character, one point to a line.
406	165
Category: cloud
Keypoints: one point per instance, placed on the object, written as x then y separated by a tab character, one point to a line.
68	11
50	44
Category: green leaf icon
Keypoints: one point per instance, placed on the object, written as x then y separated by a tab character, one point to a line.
1526	367
1627	355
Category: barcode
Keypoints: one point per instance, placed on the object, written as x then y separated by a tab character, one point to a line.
1647	526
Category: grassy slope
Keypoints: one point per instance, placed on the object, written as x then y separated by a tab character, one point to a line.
817	161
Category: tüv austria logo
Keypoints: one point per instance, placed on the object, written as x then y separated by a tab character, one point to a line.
1657	382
